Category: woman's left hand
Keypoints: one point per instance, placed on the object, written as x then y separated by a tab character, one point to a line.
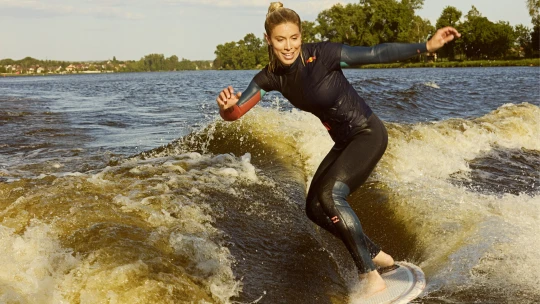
441	37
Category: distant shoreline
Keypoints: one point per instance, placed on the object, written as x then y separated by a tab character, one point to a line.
535	62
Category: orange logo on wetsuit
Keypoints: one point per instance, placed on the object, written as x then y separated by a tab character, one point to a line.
311	59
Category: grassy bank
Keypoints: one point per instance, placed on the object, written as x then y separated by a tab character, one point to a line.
456	64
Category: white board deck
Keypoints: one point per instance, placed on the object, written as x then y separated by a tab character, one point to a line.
404	284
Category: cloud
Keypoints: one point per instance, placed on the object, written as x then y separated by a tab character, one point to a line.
103	9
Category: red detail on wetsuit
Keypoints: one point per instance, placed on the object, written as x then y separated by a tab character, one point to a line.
335	219
327	126
311	59
236	111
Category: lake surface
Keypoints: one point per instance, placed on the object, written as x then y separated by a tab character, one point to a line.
129	188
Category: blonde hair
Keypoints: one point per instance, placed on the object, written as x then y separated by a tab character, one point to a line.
277	14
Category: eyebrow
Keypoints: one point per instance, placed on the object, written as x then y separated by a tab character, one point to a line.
286	37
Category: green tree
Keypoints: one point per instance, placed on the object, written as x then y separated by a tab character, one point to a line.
27	62
372	22
185	65
383	16
523	40
247	53
535	38
504	40
154	62
421	29
534	11
203	64
172	63
473	13
244	59
257	49
534	8
310	33
217	63
484	39
450	16
345	24
408	24
224	55
7	61
471	44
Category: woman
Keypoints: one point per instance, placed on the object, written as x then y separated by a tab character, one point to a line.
310	77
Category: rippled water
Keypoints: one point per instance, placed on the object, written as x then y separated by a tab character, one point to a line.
129	188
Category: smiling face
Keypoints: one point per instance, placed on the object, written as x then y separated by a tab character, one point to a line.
286	41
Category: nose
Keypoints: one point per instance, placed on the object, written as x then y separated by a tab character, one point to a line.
288	46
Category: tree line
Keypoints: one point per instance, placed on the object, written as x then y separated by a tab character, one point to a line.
484	39
371	22
158	62
148	63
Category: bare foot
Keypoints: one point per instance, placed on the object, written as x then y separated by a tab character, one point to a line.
371	284
383	260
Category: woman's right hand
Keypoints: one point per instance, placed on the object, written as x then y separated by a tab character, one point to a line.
227	98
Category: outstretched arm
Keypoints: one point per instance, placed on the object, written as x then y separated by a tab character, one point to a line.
233	106
389	52
382	53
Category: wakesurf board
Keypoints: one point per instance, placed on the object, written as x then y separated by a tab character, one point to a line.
403	284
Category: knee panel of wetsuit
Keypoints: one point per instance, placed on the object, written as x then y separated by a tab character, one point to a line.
347	215
340	193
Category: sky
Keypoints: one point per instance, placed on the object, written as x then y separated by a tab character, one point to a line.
84	30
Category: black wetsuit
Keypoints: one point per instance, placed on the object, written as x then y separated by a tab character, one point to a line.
318	85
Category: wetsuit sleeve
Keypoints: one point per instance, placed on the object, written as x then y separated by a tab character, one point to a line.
382	53
250	97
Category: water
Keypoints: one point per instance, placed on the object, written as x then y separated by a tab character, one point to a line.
128	188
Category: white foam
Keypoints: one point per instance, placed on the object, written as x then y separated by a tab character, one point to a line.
32	264
432	84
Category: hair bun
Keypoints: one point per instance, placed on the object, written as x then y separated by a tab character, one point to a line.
274	6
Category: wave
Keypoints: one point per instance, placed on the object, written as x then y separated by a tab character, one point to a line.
136	232
468	235
217	216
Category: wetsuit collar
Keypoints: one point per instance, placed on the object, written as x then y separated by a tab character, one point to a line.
291	68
